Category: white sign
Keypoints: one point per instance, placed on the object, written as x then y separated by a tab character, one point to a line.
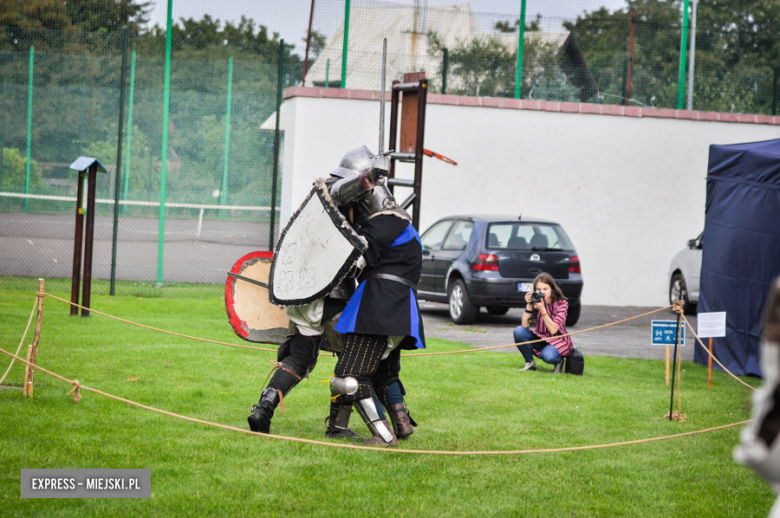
711	325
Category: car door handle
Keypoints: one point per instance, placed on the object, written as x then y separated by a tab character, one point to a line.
534	270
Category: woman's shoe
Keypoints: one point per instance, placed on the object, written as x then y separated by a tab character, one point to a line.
529	366
558	369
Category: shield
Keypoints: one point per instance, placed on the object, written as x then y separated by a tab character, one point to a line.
315	252
250	313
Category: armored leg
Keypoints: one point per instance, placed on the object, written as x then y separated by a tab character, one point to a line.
338	423
358	361
380	428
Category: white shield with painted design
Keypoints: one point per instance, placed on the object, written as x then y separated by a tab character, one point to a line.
315	252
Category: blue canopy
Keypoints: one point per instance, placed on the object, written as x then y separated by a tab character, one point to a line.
741	247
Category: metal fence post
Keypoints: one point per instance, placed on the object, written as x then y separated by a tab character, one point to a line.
29	130
118	174
129	132
223	187
344	50
279	84
164	157
520	43
692	62
445	65
683	49
2	131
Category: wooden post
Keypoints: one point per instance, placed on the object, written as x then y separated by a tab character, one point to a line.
89	238
28	386
667	365
709	367
419	151
76	282
32	350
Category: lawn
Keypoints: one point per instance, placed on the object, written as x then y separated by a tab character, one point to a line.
463	402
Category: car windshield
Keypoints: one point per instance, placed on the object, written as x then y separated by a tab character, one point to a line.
527	236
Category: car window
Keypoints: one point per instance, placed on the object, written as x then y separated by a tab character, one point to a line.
527	236
433	237
459	236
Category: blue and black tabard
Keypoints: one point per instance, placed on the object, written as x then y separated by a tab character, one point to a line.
382	306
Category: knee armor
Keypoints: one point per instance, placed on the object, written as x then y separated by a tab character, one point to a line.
347	385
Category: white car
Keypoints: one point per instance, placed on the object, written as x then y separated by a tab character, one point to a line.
684	274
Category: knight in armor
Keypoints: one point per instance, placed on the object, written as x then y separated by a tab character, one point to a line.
297	356
382	316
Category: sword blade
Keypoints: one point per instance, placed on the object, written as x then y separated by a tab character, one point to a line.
247	279
382	100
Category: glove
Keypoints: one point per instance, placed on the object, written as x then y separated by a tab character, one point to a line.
379	168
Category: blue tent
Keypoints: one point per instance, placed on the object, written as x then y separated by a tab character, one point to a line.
741	252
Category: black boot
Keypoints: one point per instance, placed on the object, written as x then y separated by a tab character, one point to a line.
338	423
263	411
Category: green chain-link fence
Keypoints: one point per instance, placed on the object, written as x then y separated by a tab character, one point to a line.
60	88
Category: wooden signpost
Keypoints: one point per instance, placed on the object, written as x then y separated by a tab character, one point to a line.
88	169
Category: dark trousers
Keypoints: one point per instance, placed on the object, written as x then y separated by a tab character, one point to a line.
297	355
361	358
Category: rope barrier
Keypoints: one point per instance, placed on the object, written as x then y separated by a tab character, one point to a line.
540	339
20	341
713	356
462	351
156	329
77	386
673	307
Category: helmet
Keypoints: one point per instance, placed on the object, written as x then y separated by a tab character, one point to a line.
357	159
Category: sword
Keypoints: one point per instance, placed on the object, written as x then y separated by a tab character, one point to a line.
247	279
382	100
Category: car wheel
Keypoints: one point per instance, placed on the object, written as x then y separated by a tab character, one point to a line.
462	311
497	310
678	291
573	316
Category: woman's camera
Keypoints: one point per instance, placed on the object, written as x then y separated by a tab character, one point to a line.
537	297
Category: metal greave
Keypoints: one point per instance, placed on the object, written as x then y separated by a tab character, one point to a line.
367	410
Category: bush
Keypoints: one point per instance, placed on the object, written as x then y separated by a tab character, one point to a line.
12	176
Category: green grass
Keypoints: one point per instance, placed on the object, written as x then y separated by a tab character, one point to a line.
463	402
176	290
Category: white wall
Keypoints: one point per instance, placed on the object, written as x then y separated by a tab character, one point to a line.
629	191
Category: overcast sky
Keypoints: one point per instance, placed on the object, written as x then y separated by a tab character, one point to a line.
290	18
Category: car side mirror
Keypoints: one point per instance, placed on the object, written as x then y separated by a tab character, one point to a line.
426	252
691	243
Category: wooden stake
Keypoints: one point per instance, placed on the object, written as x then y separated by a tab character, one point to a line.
33	349
709	368
667	365
27	389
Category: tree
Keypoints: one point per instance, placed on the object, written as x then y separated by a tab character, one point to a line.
82	15
487	66
737	47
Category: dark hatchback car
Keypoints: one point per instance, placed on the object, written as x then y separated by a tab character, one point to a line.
491	261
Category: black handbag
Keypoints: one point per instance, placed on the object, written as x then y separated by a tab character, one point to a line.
575	363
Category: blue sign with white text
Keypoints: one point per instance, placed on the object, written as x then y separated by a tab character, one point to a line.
664	332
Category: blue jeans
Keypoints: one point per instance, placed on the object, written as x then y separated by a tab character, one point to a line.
549	354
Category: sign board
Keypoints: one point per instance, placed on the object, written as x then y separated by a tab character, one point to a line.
664	331
711	325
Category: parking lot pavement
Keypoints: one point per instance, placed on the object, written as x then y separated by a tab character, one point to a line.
629	340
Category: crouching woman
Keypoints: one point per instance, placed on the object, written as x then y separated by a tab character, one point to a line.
550	324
